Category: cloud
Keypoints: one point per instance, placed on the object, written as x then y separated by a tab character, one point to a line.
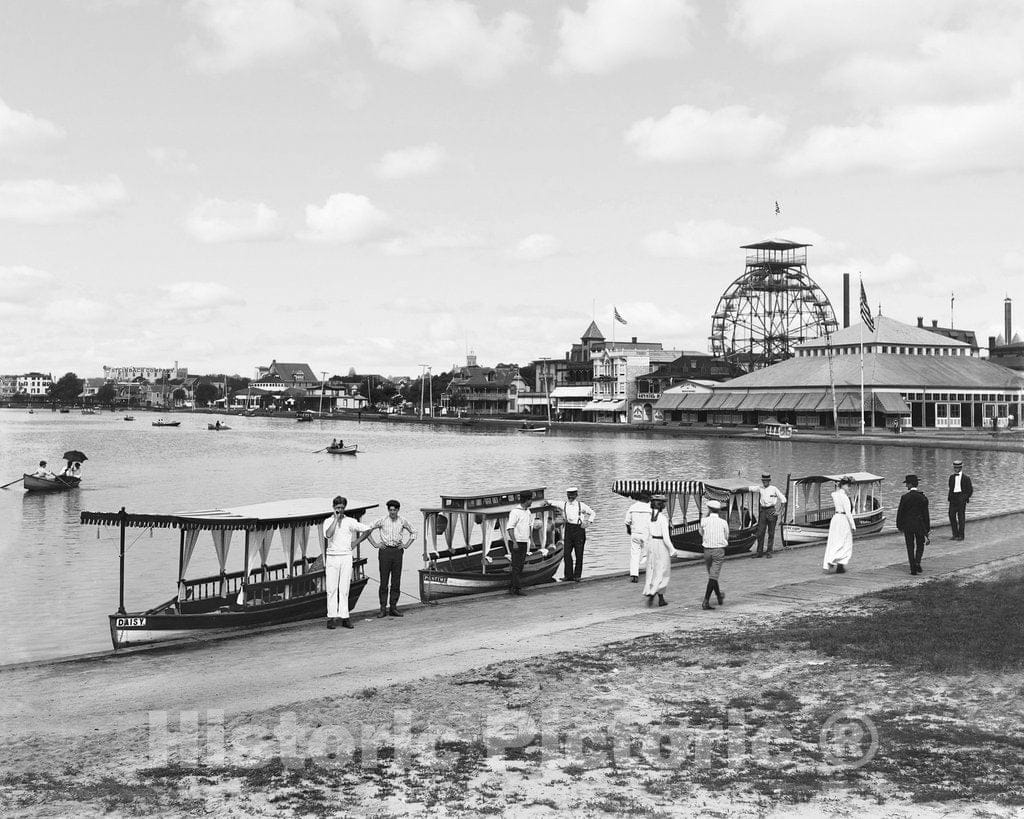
215	220
608	34
21	129
77	312
199	296
23	285
919	139
690	134
346	218
1013	260
172	160
238	33
711	239
422	241
405	162
44	201
535	247
426	35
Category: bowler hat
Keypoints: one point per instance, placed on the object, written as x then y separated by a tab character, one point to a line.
910	480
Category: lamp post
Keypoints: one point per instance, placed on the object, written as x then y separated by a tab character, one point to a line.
547	387
323	380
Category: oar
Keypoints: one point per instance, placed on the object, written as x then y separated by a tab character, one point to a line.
19	480
320	450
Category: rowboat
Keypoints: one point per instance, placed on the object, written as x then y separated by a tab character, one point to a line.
162	423
129	418
58	483
258	593
465	550
217	426
533	429
351	449
809	508
686	504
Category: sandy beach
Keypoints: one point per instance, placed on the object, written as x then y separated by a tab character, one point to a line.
577	700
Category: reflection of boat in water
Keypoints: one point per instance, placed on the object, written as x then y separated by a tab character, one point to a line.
773	428
465	549
217	426
58	483
163	423
258	594
687	504
809	508
351	449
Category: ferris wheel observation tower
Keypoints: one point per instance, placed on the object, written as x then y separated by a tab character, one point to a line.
773	306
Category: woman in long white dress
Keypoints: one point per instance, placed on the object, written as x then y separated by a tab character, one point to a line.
659	553
839	548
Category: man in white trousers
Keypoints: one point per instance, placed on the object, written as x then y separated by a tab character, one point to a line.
342	535
638	527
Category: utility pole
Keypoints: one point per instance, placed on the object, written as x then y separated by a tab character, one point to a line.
423	374
547	386
323	381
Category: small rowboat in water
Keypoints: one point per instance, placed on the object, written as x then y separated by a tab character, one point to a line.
258	593
351	449
465	550
540	430
162	423
59	483
218	426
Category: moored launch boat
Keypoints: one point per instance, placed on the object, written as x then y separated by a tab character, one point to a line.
809	508
687	503
163	423
465	548
773	428
258	594
58	483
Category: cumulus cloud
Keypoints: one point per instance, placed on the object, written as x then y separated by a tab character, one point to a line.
20	129
690	134
535	247
424	35
346	218
237	33
415	161
608	34
215	220
199	296
44	201
438	238
21	284
919	139
694	239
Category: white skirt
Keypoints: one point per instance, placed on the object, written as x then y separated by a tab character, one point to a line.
839	548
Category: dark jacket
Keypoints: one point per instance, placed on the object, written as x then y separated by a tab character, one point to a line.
966	487
912	515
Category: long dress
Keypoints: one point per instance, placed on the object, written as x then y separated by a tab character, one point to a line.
839	548
659	555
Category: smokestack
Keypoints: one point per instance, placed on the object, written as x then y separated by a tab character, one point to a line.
991	344
1006	318
846	300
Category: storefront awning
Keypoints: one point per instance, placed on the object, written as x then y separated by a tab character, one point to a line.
787	402
759	401
572	392
811	401
605	406
891	403
690	401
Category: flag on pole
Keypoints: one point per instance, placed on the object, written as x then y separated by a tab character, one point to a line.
778	210
865	311
619	318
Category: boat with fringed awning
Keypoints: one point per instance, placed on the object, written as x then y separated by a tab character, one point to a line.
259	593
809	507
686	504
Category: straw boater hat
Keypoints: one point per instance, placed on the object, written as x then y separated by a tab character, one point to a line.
658	499
714	506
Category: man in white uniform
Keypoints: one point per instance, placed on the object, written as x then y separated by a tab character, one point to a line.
638	527
342	534
519	530
768	515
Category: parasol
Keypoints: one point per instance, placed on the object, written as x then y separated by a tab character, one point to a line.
75	455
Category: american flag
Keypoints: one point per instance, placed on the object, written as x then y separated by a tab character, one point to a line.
778	210
865	311
619	318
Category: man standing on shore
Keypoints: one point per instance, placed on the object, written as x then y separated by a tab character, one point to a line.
578	516
638	527
519	530
393	543
341	533
715	537
960	491
768	514
912	519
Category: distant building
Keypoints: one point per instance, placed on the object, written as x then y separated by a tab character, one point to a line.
300	376
131	372
691	367
91	386
33	383
8	385
616	370
476	390
1007	350
966	336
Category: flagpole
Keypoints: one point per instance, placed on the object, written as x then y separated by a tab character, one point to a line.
861	365
614	322
832	383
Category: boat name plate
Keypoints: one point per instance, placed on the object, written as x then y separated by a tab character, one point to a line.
435	578
130	622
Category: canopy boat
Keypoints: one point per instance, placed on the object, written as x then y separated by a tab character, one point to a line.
217	426
687	504
465	547
58	483
163	423
773	428
88	411
809	508
351	449
258	594
304	416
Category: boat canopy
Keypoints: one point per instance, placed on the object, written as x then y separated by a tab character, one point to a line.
284	514
858	477
665	486
495	500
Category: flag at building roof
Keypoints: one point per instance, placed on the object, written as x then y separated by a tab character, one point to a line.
619	318
865	311
778	210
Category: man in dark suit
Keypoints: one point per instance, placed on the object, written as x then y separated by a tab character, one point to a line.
960	491
912	519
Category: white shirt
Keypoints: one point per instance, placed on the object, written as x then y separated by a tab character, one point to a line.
956	481
770	495
715	532
340	543
575	512
661	528
638	519
520	521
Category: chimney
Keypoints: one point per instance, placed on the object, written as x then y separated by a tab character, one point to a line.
991	344
1006	318
634	338
920	321
846	300
935	322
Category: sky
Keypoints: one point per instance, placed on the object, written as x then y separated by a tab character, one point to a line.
383	184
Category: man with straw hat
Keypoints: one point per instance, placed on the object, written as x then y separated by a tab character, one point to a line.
715	533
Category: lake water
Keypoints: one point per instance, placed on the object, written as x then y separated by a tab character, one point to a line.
61	579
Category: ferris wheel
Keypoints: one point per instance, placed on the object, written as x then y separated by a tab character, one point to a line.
772	307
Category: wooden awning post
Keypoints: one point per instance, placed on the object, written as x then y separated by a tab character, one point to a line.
120	605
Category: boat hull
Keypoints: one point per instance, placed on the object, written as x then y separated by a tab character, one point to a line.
343	450
34	484
793	533
691	542
142	628
217	428
439	583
